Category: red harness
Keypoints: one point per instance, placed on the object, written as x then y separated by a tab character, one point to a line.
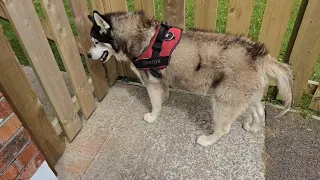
157	55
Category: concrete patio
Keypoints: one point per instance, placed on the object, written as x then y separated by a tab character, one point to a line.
117	144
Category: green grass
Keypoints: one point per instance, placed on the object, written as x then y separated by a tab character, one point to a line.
255	26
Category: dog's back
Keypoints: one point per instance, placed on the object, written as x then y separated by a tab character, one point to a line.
205	60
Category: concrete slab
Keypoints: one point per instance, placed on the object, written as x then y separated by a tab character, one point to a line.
40	92
292	146
81	152
167	149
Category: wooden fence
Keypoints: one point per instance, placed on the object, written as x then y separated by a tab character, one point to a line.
33	32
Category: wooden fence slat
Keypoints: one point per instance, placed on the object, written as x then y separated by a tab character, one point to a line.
67	47
97	72
21	96
274	24
174	12
28	28
315	102
205	14
46	30
146	5
113	67
306	49
239	16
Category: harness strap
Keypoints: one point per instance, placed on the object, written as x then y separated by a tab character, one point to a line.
150	59
156	49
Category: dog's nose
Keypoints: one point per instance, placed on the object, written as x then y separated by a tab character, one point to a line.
89	55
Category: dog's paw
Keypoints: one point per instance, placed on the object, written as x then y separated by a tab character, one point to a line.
165	96
147	117
254	128
204	140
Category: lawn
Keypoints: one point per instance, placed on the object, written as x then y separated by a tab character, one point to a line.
259	6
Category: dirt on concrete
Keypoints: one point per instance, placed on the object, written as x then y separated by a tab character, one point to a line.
292	146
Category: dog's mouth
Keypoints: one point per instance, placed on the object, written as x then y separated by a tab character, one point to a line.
104	56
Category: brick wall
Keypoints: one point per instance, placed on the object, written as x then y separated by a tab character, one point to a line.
19	156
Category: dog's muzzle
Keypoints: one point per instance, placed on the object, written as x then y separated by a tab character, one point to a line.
104	56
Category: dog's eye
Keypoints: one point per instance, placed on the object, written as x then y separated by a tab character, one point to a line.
95	42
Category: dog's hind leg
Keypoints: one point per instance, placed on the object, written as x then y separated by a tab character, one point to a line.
256	110
166	92
224	114
155	91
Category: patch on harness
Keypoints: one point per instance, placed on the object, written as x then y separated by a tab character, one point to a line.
157	55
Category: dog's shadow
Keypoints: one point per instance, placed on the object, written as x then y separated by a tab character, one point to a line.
197	108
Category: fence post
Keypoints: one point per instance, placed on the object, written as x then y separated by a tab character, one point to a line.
239	16
18	91
205	14
306	49
26	23
67	47
174	12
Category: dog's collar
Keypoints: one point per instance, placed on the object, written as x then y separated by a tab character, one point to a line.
157	55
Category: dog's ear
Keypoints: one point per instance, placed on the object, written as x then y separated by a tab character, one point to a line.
91	18
100	21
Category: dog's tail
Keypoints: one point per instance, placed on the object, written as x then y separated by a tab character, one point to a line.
283	74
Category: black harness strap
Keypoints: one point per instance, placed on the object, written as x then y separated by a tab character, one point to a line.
156	47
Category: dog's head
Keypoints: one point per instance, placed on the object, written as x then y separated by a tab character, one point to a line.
121	34
103	44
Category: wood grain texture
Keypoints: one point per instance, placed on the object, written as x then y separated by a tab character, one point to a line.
97	71
239	16
46	29
147	6
315	102
306	49
274	24
25	103
28	28
205	14
174	12
67	47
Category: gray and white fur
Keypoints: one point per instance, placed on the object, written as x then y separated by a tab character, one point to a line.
233	70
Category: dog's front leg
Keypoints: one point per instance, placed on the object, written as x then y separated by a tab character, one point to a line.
155	91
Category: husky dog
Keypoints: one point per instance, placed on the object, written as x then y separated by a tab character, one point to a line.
233	70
